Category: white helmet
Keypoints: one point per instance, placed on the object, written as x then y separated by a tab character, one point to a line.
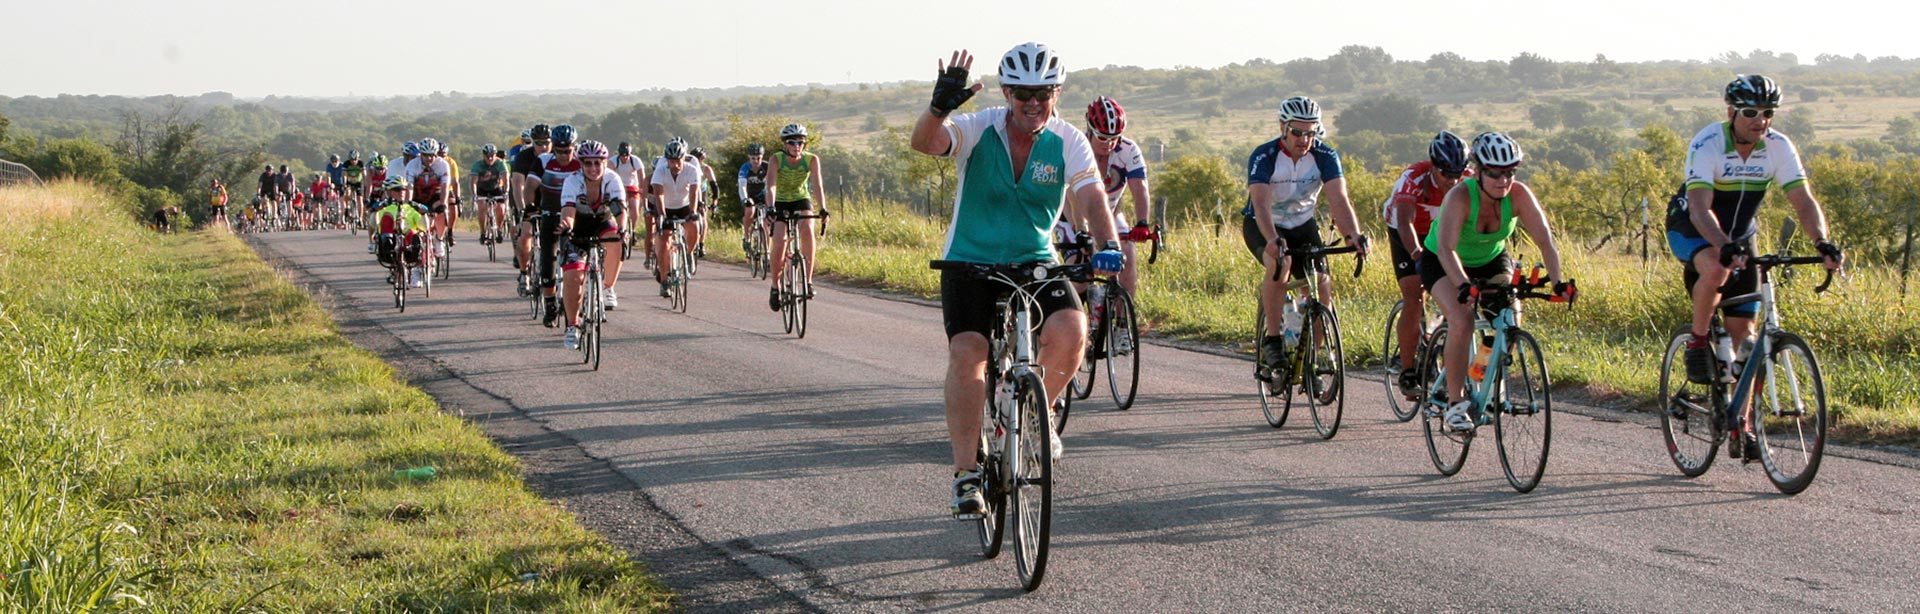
1299	109
1031	64
793	131
1495	149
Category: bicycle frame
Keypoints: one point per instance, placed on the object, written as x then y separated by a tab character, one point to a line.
1739	404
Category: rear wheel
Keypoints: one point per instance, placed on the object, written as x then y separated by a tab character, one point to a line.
1403	408
1523	419
1790	407
1123	348
1688	421
1325	372
800	300
1447	449
1032	496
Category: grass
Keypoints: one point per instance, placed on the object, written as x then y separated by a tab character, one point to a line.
185	431
1608	346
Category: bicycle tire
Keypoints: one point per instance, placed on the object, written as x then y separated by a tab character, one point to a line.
444	261
1690	422
1792	437
800	300
1447	449
1403	408
590	313
1123	348
787	291
1323	383
1032	495
1276	416
992	527
1523	422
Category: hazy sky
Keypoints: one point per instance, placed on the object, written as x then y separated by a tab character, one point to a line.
334	48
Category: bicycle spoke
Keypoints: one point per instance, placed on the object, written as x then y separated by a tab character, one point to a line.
1687	413
1791	414
1523	416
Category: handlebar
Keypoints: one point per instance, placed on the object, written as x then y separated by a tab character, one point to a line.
1321	252
1774	260
1018	273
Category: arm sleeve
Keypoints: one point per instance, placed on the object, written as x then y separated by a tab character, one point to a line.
1701	167
1260	164
1329	162
964	131
1791	173
571	191
1079	157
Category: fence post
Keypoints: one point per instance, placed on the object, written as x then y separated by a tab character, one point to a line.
1645	230
1906	252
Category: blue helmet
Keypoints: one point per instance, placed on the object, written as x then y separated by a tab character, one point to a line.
564	134
1448	152
411	148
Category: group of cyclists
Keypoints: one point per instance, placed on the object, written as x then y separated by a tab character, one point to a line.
1021	167
331	198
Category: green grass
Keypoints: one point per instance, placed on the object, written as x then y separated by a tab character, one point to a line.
185	431
1607	347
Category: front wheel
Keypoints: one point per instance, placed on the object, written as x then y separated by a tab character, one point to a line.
1404	409
1523	420
1324	371
1032	494
1447	449
1274	409
1688	421
1790	411
1123	348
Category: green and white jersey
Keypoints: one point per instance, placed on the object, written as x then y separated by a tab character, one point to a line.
1001	217
1739	183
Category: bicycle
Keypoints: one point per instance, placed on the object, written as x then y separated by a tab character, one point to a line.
1315	365
679	271
593	307
1113	332
759	260
1404	401
1791	434
1515	391
1016	460
796	289
490	233
536	299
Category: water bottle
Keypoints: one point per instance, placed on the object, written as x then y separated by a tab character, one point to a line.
1290	323
1723	350
1097	302
420	474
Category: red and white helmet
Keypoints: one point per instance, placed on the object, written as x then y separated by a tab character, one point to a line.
1106	118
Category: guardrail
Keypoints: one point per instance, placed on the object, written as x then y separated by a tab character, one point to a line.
13	173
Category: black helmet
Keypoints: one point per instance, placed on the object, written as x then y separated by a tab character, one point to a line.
1753	91
700	152
625	149
283	168
541	131
564	134
1448	153
269	168
756	149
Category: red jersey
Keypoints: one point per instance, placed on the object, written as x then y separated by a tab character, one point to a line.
1416	185
319	189
377	177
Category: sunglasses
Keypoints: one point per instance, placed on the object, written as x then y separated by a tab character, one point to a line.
1751	113
1027	94
542	142
559	150
593	162
1450	175
1294	132
1499	174
1106	137
797	142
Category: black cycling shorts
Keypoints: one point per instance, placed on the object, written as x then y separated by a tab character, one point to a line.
1304	236
794	207
1500	268
1743	281
1404	265
690	214
966	303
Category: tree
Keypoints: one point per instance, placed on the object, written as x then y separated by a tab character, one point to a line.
1194	185
1544	115
1392	114
646	126
1797	124
1534	70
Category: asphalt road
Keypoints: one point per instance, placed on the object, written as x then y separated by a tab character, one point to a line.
819	465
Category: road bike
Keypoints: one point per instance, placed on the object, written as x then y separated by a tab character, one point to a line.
796	289
1788	428
490	232
593	305
1313	365
680	271
759	260
1404	401
1113	332
1514	394
1016	459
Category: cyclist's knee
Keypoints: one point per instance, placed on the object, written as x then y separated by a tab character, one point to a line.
967	348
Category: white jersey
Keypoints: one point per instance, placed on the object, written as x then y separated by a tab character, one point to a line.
575	193
676	189
414	169
628	167
1123	163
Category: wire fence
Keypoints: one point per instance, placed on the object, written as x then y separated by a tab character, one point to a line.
12	174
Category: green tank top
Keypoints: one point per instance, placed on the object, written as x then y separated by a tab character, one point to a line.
1477	248
793	184
1002	216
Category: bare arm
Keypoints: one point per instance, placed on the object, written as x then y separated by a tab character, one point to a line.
815	182
1533	218
1142	206
1700	210
1453	217
929	131
1343	216
1092	198
1813	221
1403	208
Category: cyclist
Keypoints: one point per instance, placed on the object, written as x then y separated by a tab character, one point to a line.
1017	166
753	187
1468	242
217	199
408	152
1123	171
555	168
709	186
283	184
453	200
629	167
794	187
301	220
1285	178
269	184
675	186
1729	167
336	170
353	175
490	191
431	178
1416	195
320	192
376	180
590	207
526	139
389	216
524	184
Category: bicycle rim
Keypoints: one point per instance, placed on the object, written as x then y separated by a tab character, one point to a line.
992	525
1791	406
1403	409
1274	410
1032	496
1687	414
1447	449
1326	378
1123	348
445	259
1523	422
800	301
788	290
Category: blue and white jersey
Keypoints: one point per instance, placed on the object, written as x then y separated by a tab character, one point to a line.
1296	182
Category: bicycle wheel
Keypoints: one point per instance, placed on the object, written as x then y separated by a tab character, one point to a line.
1403	408
1032	493
800	300
679	268
1688	421
789	291
993	473
1081	386
444	261
1325	374
1123	348
1523	412
760	250
1275	410
1790	407
590	314
1447	449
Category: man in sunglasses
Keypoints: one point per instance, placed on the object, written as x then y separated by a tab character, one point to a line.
1710	222
1017	166
1285	178
1123	170
523	183
556	167
1417	195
